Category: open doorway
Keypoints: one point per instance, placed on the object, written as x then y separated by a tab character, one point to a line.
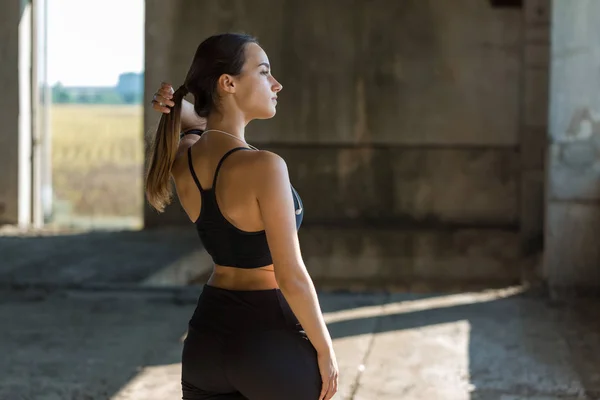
95	61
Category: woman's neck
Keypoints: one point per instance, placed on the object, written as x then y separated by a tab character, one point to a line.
233	126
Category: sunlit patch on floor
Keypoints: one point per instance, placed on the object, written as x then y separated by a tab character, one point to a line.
428	362
430	303
152	382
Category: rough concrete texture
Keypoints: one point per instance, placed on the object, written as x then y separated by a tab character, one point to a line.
405	187
410	72
95	259
337	258
575	60
534	122
535	95
430	75
534	147
10	108
574	173
83	324
532	219
403	258
492	345
572	258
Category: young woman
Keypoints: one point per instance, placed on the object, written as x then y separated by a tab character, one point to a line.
257	332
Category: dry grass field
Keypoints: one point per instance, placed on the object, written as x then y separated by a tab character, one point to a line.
97	160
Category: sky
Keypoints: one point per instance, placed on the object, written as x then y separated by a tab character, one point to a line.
91	42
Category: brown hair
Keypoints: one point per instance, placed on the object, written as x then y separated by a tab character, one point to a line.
217	55
162	156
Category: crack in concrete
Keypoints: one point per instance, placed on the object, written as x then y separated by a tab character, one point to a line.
376	328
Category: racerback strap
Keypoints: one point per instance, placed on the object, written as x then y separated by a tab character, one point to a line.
223	159
191	165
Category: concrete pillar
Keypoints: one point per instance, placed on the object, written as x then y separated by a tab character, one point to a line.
534	123
15	112
572	252
163	62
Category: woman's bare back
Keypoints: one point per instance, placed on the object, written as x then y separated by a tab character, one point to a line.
236	198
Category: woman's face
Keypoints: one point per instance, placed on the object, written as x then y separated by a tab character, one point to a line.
255	88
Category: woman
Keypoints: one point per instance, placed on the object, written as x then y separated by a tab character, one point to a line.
257	332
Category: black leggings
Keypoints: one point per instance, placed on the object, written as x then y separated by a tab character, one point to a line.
247	345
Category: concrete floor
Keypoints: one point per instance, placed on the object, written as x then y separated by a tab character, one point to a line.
80	322
125	345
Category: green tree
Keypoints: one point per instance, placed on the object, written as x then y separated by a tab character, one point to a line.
60	94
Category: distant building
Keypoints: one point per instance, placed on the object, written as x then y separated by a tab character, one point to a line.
129	90
131	87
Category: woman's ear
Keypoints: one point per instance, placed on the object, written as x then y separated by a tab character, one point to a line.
227	83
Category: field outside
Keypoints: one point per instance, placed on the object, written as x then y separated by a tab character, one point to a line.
97	161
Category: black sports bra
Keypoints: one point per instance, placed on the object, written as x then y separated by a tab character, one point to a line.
227	244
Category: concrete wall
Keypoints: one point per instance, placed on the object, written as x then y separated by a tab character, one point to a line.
9	109
15	112
400	122
534	123
572	254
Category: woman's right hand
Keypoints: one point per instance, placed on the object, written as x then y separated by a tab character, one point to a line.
163	100
164	96
329	374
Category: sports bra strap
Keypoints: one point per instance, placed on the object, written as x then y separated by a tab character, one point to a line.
191	165
198	132
223	159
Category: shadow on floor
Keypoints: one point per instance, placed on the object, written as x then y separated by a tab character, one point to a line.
71	348
94	347
80	258
126	347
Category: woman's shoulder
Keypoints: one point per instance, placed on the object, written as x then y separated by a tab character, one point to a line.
262	166
265	161
267	157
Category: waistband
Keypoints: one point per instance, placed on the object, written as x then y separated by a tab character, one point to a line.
237	311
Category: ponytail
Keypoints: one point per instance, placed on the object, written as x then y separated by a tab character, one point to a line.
164	149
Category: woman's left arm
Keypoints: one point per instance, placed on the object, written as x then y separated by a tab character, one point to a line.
189	118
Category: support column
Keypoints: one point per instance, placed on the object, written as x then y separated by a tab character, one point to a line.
534	123
163	62
572	242
15	112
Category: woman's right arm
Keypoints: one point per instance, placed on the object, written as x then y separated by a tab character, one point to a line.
276	204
